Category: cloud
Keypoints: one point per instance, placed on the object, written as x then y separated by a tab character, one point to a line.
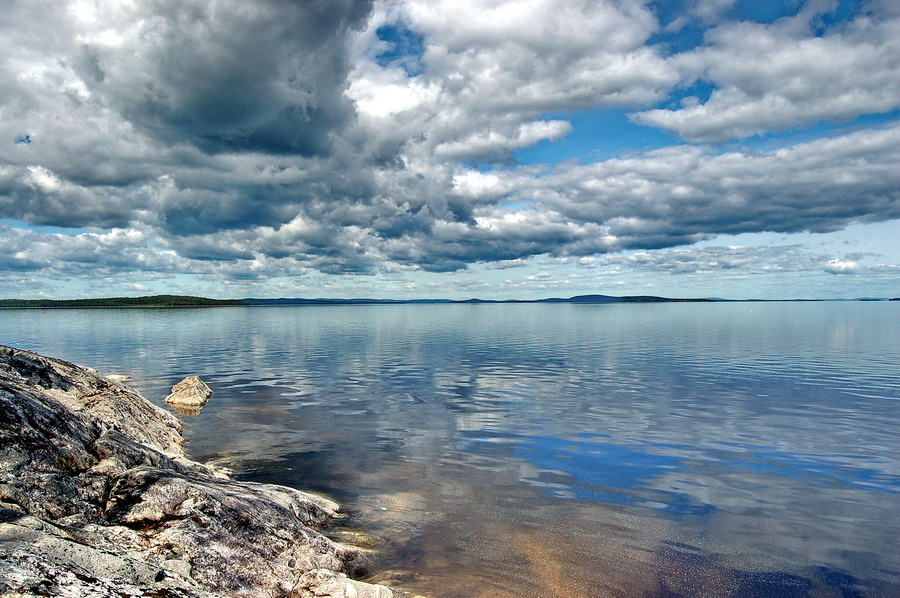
226	76
507	264
59	256
684	191
710	11
718	260
494	145
128	95
485	83
237	141
39	195
838	266
772	77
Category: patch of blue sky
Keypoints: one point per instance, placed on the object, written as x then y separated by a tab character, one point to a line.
764	12
610	473
699	91
680	31
13	223
674	42
518	205
846	10
687	33
597	135
406	48
769	12
676	34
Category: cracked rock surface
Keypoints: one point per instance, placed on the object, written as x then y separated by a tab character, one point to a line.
97	498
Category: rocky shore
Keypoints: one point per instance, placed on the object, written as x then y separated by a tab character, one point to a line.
97	498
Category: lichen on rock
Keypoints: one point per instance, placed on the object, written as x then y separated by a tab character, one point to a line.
98	498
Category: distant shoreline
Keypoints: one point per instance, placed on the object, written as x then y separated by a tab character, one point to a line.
151	301
165	301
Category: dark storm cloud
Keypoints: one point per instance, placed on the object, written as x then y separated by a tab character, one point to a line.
39	196
127	95
231	76
13	257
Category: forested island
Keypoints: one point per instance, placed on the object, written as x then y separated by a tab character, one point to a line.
152	301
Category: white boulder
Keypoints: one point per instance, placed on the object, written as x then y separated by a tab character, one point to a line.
190	392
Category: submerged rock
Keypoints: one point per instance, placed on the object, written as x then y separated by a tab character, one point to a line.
98	498
191	393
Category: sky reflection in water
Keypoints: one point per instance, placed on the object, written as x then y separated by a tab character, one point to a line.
557	450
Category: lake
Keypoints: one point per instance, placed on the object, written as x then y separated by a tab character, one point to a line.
650	450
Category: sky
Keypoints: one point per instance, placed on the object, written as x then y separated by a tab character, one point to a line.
450	148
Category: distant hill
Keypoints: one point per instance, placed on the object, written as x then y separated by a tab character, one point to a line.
626	299
153	301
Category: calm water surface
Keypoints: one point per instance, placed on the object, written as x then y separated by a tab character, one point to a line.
663	450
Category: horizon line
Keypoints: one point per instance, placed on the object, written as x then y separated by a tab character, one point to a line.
170	300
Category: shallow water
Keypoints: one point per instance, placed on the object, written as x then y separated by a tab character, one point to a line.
658	450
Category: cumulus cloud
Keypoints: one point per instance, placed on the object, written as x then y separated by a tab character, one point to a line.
771	77
673	195
838	266
486	82
493	145
125	95
228	76
59	256
238	141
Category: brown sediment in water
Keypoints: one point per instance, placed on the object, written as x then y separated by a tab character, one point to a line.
617	554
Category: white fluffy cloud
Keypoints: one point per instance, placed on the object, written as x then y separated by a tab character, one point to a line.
491	69
238	141
838	266
781	75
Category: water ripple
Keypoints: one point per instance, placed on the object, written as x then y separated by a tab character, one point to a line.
741	448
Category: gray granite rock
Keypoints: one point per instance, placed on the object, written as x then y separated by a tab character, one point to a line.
97	498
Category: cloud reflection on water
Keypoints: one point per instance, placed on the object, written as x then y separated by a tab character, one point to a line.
656	450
